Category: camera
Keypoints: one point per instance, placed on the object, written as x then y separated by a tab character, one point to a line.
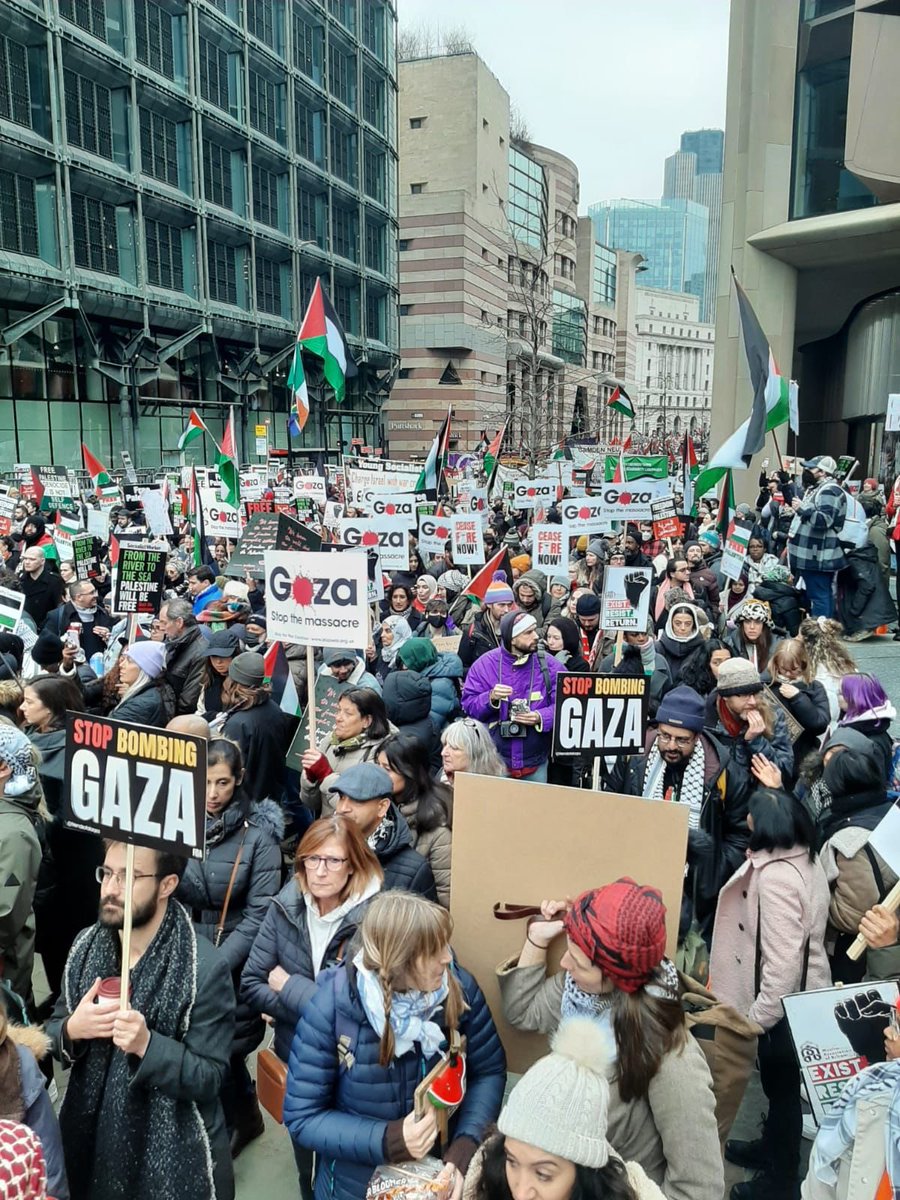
512	728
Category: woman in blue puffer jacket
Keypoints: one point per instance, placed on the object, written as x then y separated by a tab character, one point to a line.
375	1027
445	672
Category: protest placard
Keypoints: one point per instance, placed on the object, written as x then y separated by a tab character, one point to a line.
434	533
134	784
613	502
267	531
388	535
312	486
220	520
25	482
549	549
637	466
139	580
625	603
734	552
156	510
98	522
317	599
592	839
55	487
665	518
600	714
328	691
252	485
130	472
84	554
447	645
833	1043
467	539
11	605
534	493
400	505
7	509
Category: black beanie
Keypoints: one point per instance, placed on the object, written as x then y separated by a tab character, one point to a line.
47	650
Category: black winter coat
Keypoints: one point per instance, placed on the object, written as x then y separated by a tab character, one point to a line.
258	878
811	708
407	697
404	868
261	732
152	705
185	668
283	941
785	603
864	601
477	640
676	654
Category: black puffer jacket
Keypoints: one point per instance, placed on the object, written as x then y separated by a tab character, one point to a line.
258	878
404	868
261	733
864	601
810	707
153	705
784	601
407	698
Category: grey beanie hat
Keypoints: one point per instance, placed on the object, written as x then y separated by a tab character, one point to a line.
738	677
247	668
561	1105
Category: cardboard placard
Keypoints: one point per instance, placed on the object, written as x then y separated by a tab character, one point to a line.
825	1053
734	552
139	581
156	510
401	505
505	850
57	488
625	603
600	714
317	599
328	691
252	485
584	515
549	549
665	518
448	644
388	535
220	520
267	531
434	533
134	784
11	606
312	486
7	510
534	493
467	539
98	523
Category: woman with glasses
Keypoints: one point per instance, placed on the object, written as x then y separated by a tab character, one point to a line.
306	930
227	895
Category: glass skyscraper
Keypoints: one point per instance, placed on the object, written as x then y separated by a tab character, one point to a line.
670	233
174	176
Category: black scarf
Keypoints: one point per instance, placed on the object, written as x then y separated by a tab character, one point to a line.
133	1143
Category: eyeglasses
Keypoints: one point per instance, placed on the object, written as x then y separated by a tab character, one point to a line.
312	862
105	875
681	742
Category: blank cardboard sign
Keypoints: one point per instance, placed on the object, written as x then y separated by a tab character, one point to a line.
521	843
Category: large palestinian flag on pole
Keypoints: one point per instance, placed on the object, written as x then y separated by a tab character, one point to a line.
323	335
620	402
195	428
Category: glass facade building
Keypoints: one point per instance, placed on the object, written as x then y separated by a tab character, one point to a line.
569	328
709	147
527	203
174	176
670	233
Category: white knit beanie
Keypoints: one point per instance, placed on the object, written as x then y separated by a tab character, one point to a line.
561	1104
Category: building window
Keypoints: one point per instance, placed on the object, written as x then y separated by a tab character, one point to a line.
527	199
153	43
375	246
268	285
88	117
345	12
310	128
417	188
346	305
309	47
159	147
214	82
417	122
96	244
217	174
312	217
405	310
88	14
376	315
569	327
222	273
373	28
374	174
18	214
263	24
165	268
604	275
15	90
342	75
345	232
343	153
265	198
266	106
373	101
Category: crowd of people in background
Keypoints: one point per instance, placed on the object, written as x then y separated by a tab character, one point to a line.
321	910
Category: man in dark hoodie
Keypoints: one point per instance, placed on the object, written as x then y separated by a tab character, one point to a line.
364	794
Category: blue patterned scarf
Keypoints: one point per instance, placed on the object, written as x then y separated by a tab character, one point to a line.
410	1012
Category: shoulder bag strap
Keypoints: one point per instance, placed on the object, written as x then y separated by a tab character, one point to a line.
220	927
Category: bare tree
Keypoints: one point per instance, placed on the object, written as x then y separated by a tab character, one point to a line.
426	40
518	126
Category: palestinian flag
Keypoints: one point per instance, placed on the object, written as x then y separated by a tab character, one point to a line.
99	475
492	456
296	382
430	478
227	464
688	468
277	674
479	585
67	525
322	335
727	506
195	428
11	605
620	402
626	445
619	475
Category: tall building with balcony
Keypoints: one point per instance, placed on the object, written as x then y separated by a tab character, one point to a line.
506	308
174	176
811	206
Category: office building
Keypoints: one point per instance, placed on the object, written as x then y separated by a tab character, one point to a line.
811	206
671	234
174	176
695	173
507	305
674	364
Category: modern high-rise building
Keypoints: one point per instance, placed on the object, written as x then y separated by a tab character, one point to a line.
671	234
695	173
174	176
507	301
811	207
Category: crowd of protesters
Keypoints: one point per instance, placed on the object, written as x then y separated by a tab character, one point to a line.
321	908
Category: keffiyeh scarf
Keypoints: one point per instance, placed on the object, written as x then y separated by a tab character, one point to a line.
692	788
410	1012
838	1130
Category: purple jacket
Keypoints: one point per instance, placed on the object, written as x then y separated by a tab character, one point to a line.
527	683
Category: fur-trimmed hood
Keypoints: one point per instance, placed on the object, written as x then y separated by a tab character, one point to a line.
32	1037
268	815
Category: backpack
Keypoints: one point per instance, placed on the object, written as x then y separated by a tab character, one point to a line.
728	1041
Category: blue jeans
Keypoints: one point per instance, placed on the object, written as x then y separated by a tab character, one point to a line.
820	590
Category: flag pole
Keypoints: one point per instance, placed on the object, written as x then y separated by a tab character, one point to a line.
778	457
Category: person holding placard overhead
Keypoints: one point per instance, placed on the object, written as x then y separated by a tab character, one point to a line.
142	1116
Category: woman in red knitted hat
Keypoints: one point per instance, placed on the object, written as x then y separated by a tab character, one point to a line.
615	971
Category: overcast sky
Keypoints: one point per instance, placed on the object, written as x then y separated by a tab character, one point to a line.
610	83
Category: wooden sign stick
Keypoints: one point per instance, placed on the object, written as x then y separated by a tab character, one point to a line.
311	693
126	928
891	902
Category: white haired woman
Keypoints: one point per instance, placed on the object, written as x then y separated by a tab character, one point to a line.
466	745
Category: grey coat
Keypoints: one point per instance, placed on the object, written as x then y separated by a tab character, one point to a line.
20	861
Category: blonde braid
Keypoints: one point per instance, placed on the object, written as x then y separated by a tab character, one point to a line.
387	1036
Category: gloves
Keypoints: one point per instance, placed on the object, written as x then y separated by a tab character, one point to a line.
635	583
862	1020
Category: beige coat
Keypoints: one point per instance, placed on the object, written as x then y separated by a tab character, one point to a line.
850	877
435	848
316	795
681	1155
860	1169
644	1188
